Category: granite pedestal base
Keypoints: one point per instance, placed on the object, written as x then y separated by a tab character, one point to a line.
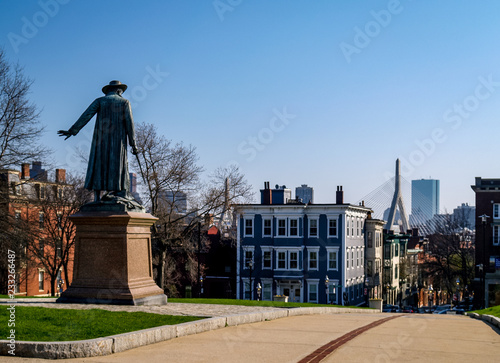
113	260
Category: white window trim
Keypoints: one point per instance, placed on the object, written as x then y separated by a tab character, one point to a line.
312	282
267	249
497	242
498	209
287	251
245	281
336	219
250	249
290	227
309	250
245	219
278	219
309	227
328	250
266	281
263	225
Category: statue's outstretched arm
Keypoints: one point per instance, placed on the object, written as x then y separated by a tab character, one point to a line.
82	121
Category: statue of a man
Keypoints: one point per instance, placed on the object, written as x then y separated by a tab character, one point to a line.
108	166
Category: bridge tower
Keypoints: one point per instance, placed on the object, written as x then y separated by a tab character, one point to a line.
397	202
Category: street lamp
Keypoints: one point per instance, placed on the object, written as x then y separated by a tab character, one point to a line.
327	280
482	266
430	297
250	266
458	284
367	281
259	289
201	286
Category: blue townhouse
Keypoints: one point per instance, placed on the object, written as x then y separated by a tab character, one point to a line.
307	252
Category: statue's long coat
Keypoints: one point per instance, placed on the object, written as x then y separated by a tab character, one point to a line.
108	165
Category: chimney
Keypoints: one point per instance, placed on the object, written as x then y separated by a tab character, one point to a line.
340	195
60	176
25	171
266	195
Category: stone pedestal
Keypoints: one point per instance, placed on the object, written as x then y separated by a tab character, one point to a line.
113	260
376	304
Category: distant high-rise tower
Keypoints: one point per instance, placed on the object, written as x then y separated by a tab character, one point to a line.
424	200
305	193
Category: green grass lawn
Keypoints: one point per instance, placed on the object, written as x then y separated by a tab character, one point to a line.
275	304
495	311
44	324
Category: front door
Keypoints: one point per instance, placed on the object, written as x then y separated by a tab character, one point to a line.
293	291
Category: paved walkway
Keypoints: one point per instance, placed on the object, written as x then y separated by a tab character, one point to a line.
410	337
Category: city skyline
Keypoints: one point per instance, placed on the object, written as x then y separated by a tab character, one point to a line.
322	94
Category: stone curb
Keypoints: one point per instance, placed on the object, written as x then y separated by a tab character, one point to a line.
493	320
121	342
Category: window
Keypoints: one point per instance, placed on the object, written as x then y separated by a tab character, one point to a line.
59	248
282	260
352	226
248	289
313	292
348	226
59	220
369	240
267	290
17	215
357	227
248	259
496	211
362	258
352	258
347	259
294	227
281	227
313	228
332	228
313	260
41	278
377	239
357	258
332	257
369	268
396	272
496	236
266	260
294	260
396	250
248	227
268	231
41	247
40	220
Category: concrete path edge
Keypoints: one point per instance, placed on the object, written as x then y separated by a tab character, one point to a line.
121	342
493	320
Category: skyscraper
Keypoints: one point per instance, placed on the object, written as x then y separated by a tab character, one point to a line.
424	200
305	193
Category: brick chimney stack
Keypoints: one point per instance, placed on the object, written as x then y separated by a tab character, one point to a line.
60	176
25	171
340	195
266	194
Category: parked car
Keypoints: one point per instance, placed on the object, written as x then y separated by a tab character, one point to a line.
408	309
441	308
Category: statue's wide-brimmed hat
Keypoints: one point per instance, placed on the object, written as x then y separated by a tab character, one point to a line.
114	84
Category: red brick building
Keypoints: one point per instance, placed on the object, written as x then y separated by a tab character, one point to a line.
37	225
488	240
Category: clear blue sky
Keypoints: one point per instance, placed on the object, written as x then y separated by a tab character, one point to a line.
363	83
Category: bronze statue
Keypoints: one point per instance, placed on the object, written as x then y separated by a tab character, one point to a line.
108	166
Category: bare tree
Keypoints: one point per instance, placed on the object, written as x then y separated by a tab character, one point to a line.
20	129
52	233
181	201
450	255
